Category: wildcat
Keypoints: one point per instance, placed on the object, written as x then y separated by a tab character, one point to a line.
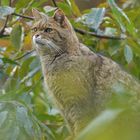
80	80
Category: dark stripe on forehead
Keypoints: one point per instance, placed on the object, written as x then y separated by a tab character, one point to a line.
41	24
60	35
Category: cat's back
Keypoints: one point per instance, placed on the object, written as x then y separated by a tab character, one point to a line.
108	74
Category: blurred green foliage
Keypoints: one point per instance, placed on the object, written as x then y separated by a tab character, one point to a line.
26	109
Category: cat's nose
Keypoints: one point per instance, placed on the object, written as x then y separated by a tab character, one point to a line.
37	35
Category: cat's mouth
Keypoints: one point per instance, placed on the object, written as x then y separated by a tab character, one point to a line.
40	41
51	47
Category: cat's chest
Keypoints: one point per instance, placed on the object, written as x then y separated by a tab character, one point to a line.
70	79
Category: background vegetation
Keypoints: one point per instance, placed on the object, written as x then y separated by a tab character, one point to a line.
112	28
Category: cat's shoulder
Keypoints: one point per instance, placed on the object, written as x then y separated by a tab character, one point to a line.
88	54
95	57
85	50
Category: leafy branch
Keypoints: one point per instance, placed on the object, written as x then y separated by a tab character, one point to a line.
4	26
24	55
82	32
6	21
23	16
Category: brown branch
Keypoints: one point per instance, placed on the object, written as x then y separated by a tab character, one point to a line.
10	3
54	3
23	16
24	55
4	26
6	21
83	32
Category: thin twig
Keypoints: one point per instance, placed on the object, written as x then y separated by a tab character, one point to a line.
6	21
23	16
83	32
54	3
4	26
40	79
24	55
10	3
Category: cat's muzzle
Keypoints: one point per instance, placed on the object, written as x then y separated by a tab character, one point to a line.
38	40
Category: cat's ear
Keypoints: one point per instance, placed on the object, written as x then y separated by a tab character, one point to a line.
38	15
59	17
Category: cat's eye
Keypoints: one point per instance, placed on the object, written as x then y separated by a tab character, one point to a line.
34	29
48	30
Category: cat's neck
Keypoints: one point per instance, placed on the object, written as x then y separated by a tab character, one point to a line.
49	59
72	46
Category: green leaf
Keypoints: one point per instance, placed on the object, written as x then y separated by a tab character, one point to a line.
22	4
128	54
94	18
3	116
17	36
74	8
22	117
122	18
5	2
65	8
69	3
99	124
17	123
7	60
49	9
25	67
37	4
6	10
14	133
110	31
30	74
2	49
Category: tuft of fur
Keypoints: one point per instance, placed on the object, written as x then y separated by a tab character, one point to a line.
80	81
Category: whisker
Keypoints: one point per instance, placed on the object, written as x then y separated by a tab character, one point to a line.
51	46
58	50
55	47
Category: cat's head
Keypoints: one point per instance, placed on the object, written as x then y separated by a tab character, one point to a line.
52	35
